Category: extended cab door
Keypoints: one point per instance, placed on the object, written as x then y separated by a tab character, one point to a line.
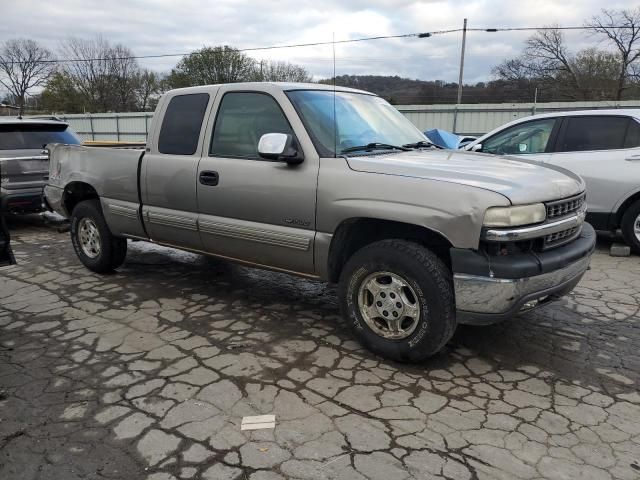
603	150
250	208
170	168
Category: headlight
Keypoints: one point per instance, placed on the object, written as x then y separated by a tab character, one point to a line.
514	216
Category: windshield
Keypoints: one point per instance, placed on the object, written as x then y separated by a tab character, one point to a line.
30	136
360	120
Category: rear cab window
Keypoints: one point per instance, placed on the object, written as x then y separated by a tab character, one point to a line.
181	125
33	136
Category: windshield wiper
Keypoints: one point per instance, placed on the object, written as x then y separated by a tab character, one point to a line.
375	146
421	143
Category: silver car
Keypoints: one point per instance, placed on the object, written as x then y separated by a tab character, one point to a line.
602	146
24	164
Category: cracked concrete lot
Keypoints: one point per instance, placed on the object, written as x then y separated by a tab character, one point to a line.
147	373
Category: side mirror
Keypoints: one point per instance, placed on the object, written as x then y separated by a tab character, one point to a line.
279	147
477	147
522	147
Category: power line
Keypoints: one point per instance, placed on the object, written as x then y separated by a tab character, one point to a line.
316	44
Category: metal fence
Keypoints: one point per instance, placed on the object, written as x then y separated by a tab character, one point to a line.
477	119
465	119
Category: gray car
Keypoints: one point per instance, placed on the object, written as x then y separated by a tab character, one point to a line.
335	185
602	146
24	162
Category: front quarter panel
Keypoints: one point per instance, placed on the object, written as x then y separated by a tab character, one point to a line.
453	210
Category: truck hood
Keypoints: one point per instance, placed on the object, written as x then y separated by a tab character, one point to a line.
521	181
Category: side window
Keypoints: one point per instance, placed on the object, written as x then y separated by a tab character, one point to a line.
181	125
525	138
632	139
243	117
593	133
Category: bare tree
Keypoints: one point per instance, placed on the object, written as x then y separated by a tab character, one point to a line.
148	85
590	74
623	29
547	55
104	74
24	64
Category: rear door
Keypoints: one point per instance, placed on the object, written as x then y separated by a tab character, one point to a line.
170	167
250	208
603	150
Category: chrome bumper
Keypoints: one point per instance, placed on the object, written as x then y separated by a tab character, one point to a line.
486	300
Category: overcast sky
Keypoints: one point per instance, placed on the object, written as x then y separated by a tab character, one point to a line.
152	27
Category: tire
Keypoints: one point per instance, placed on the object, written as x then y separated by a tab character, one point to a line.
97	248
630	226
385	266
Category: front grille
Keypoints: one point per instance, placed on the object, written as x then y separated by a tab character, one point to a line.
564	207
558	238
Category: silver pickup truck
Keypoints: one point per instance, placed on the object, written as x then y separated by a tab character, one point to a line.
335	185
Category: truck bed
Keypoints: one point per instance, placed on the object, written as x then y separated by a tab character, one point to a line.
112	172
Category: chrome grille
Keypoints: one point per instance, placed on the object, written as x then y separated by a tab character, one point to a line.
563	236
564	207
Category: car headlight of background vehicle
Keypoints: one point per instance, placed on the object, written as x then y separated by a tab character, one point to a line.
515	216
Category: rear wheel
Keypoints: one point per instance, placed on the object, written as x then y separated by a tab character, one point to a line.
97	248
630	226
398	299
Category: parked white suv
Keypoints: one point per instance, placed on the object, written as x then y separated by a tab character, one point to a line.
602	146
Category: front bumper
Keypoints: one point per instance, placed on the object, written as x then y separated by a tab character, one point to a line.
22	201
492	289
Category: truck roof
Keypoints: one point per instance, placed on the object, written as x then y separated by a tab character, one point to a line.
284	86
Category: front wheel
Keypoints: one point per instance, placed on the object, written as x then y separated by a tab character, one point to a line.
398	299
97	248
630	226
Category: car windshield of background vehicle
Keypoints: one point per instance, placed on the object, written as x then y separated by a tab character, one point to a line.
34	136
594	133
526	138
360	120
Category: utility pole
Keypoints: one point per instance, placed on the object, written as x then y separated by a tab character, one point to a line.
464	41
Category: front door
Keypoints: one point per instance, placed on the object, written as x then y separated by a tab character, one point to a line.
250	208
530	139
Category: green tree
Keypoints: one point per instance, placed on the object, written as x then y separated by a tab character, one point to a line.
60	96
211	65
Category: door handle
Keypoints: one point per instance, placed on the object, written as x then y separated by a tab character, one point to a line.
209	177
633	158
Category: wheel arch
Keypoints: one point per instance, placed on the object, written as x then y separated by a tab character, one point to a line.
633	198
76	192
355	233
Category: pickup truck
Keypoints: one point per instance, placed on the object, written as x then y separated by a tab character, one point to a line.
334	184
